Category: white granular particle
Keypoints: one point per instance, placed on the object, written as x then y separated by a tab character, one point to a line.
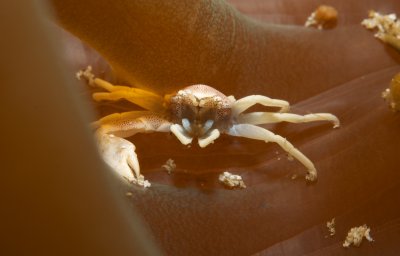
87	74
170	166
388	27
331	227
356	235
231	180
140	181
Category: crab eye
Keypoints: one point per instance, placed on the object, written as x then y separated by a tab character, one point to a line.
207	125
186	125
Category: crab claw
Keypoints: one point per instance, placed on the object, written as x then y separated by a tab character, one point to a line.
120	155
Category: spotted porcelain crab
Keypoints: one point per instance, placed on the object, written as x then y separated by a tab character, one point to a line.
197	111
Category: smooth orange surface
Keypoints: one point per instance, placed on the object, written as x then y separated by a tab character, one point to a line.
57	197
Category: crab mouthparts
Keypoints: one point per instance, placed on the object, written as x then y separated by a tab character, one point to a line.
204	132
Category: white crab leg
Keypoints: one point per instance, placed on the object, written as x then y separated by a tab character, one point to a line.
180	132
254	132
269	118
244	103
211	136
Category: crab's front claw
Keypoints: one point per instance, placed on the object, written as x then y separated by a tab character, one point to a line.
120	155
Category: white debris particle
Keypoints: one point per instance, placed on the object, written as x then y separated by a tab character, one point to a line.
331	227
231	180
87	74
356	235
128	194
294	176
170	166
140	181
388	27
323	17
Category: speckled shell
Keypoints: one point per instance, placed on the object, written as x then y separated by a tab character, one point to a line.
203	96
198	98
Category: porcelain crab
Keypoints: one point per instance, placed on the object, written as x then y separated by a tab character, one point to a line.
197	111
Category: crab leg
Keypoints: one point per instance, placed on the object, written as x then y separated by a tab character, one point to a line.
119	116
254	132
129	123
146	99
244	103
208	138
119	153
181	133
269	118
